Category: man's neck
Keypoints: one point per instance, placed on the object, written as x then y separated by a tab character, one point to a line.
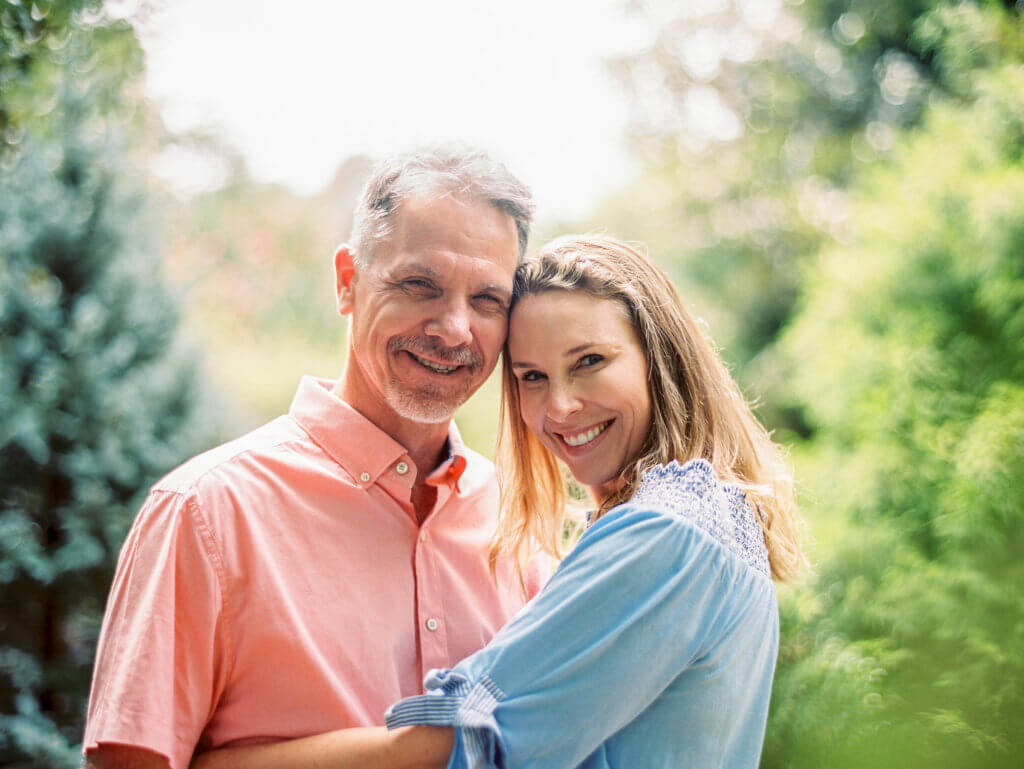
426	443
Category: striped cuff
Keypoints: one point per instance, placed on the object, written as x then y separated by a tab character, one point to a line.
452	701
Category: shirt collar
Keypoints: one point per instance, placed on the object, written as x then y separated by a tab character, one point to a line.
357	444
451	470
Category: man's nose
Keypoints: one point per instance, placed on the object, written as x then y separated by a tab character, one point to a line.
451	325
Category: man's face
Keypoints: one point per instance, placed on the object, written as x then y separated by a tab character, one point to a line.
429	310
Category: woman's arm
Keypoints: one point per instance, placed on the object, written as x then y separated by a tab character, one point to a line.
642	595
415	747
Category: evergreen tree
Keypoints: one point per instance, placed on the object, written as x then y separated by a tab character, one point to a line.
96	399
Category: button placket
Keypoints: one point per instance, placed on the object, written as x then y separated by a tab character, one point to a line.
433	636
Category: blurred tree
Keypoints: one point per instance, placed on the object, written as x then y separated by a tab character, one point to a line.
751	119
256	264
32	65
908	650
95	398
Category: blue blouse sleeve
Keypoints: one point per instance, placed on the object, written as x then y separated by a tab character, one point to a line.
636	602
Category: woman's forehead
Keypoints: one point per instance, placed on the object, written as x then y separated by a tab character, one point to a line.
564	322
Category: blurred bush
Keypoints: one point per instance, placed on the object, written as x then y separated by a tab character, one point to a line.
96	399
908	349
749	122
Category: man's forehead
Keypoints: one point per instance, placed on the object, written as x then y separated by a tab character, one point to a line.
435	235
424	217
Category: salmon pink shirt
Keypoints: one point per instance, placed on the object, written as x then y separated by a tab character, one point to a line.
279	586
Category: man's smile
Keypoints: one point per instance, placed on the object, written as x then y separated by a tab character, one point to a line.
436	367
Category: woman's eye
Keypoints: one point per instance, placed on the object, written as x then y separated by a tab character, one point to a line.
531	376
590	360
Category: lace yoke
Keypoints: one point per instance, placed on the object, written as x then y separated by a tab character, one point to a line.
694	492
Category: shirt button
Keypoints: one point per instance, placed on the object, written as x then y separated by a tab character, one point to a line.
423	536
431	624
364	477
401	468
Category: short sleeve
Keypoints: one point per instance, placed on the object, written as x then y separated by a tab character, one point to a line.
159	665
634	604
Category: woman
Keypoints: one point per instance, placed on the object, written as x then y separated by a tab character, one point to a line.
654	642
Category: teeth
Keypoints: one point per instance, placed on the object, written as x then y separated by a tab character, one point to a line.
434	366
587	437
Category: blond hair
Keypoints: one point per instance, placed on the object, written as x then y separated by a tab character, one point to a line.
697	410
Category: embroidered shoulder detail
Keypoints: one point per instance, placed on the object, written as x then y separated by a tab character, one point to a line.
694	492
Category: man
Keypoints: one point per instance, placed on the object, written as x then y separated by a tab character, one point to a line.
303	577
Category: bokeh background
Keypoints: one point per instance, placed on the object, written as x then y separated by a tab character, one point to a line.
837	187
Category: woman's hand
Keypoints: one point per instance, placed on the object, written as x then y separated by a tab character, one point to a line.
411	747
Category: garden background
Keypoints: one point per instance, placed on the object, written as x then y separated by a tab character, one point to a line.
853	237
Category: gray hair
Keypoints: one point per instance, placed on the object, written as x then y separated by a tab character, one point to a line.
449	169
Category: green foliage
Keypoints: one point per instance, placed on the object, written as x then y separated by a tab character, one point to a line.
95	399
45	43
751	121
908	648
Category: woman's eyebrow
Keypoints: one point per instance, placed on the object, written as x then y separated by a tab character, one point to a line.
580	348
577	349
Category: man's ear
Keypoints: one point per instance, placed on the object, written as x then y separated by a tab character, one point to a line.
344	275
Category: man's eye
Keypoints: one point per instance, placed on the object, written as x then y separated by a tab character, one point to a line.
491	301
417	284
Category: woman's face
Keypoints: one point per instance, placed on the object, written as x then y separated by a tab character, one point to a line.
582	381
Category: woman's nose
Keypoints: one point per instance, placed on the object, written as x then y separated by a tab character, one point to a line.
563	402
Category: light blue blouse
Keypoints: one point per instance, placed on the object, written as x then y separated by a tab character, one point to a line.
652	645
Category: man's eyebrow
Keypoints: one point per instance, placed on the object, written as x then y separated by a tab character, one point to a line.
495	288
416	268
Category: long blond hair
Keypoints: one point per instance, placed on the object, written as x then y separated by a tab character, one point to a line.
697	410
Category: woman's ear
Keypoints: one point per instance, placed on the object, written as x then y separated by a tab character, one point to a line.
344	275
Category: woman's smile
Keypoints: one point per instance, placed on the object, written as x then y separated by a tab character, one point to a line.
583	438
585	394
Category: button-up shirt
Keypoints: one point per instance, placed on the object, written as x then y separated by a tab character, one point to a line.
280	586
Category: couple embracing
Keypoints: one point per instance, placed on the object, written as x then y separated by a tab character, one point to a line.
280	597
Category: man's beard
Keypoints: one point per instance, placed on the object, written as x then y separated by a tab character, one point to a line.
431	404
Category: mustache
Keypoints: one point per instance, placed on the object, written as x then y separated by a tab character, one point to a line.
428	348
